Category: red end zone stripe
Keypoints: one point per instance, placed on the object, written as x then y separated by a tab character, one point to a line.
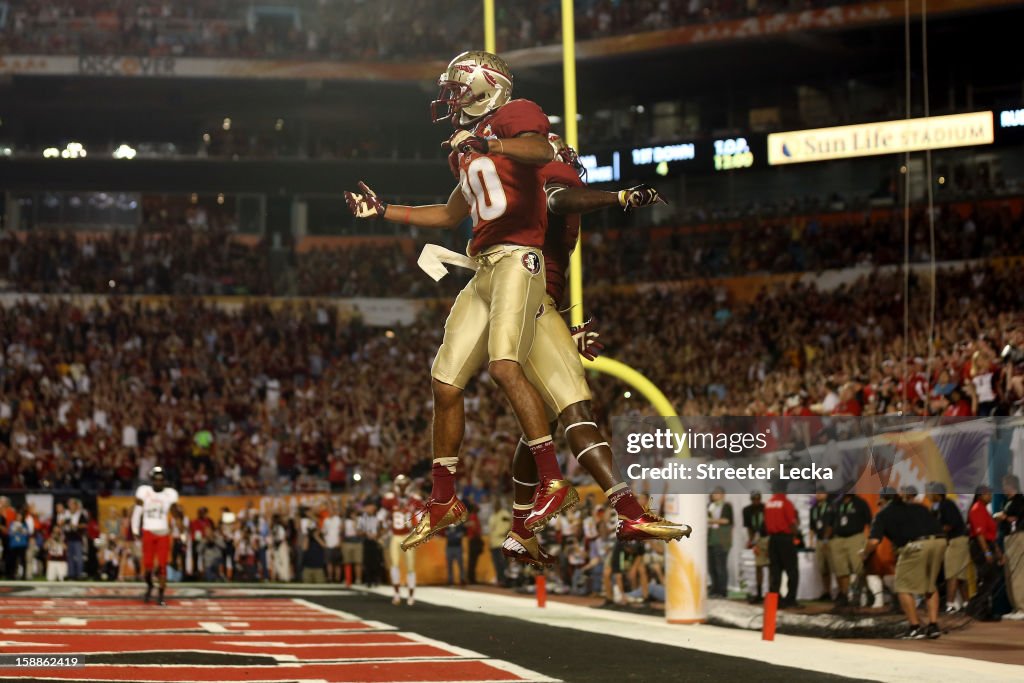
336	645
458	670
327	623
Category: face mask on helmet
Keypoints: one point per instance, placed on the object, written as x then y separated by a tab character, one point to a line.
568	155
473	85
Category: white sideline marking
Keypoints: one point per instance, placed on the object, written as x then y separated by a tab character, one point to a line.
853	660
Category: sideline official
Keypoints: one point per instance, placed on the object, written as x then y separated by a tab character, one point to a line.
822	527
852	516
920	547
958	556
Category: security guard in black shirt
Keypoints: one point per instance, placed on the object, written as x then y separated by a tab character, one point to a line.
958	553
822	521
920	546
852	516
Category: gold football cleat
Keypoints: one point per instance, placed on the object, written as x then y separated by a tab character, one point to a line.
526	550
650	526
554	496
437	518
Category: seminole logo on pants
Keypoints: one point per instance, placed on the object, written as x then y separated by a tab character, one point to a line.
531	262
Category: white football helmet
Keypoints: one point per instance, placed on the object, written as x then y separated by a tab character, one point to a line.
474	84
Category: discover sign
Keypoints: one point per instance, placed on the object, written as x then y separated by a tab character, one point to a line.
886	137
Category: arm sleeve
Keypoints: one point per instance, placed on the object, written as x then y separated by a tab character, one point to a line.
518	117
727	512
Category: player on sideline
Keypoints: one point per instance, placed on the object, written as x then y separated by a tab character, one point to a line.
555	369
402	506
153	503
497	151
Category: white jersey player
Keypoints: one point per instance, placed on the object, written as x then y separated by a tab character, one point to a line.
153	504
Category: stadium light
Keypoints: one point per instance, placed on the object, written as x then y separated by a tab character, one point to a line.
124	152
74	150
51	153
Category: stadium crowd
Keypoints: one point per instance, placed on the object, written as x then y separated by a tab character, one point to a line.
349	30
191	251
289	398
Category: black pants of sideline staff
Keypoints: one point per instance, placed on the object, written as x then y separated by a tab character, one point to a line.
782	556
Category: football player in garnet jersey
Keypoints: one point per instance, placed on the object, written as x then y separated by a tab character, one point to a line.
497	151
554	367
153	503
402	506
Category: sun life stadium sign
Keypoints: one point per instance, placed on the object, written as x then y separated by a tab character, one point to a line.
884	137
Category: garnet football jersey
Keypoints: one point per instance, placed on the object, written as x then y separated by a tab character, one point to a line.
506	197
402	510
562	231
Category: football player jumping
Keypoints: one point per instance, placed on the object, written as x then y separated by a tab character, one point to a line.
497	151
402	506
153	502
554	367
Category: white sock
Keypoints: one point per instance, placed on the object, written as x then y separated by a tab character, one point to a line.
449	463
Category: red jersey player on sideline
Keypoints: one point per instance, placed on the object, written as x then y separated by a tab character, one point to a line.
498	149
402	507
153	503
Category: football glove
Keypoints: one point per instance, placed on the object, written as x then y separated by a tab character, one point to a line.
586	340
639	196
365	203
465	142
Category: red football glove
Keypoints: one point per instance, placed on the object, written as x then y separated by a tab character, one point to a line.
586	340
638	197
365	203
465	142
